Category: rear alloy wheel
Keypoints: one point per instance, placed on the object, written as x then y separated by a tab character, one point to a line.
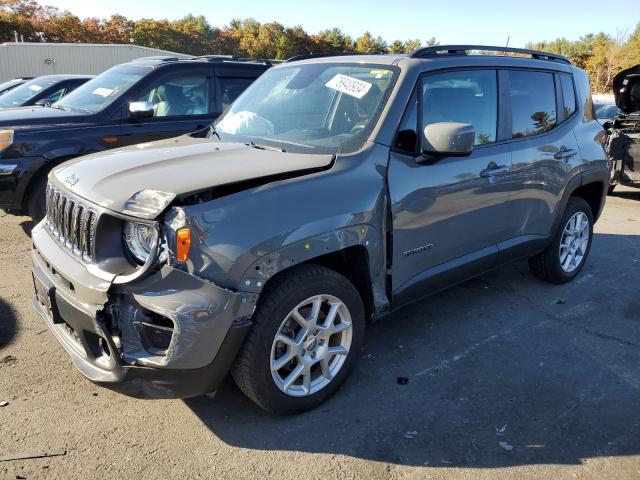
308	328
568	251
574	242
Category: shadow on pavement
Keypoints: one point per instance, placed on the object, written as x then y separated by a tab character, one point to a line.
629	194
8	323
551	371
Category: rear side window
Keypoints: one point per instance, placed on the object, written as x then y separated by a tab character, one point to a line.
568	94
533	103
465	97
231	88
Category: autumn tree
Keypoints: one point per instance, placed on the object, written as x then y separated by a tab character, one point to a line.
368	44
630	51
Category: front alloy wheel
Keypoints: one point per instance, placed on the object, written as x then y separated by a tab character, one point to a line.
307	330
311	345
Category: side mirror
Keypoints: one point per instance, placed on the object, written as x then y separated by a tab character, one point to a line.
45	102
141	109
449	139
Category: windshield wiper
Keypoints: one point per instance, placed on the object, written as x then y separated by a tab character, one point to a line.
212	131
264	147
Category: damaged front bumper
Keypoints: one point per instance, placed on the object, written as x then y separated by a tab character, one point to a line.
169	335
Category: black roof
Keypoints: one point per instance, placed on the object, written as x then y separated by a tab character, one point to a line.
218	59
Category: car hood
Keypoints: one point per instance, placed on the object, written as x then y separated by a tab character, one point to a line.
624	84
141	180
28	117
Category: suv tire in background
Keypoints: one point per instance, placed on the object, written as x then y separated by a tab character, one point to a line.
563	259
254	372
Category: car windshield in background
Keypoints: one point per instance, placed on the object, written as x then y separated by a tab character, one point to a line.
98	93
310	108
606	110
6	86
25	92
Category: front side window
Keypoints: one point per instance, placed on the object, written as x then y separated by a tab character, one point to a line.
231	88
24	93
57	95
310	108
533	103
179	95
101	91
462	97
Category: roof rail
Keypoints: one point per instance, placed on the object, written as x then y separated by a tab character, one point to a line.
233	58
305	56
157	58
439	50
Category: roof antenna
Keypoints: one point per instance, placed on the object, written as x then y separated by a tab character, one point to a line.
508	38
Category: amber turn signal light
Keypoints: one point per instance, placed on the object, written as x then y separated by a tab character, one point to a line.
183	243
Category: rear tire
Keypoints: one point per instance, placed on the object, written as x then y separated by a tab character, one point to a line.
321	351
567	253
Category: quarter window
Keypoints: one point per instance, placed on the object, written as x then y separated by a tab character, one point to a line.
533	103
464	97
569	95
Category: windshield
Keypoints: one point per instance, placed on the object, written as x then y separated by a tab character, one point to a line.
6	86
100	92
312	108
606	110
25	92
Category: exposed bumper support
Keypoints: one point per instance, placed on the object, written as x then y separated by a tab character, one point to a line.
103	327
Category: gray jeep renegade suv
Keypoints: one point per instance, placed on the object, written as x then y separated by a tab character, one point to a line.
333	191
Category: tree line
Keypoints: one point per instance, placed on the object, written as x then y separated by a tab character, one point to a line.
601	55
192	35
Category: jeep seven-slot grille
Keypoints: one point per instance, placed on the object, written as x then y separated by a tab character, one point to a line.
71	222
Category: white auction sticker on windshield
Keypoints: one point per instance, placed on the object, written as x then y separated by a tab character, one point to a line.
35	88
103	92
349	85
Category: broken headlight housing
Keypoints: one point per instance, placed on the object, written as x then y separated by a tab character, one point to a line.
141	239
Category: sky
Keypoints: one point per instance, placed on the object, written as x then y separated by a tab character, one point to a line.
451	22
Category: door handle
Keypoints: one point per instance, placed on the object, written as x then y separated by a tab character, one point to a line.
565	154
494	171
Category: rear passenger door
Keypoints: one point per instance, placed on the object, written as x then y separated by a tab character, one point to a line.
545	150
183	102
448	213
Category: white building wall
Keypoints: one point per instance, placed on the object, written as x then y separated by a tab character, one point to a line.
34	59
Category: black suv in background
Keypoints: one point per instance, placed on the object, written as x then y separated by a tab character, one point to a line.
141	101
42	91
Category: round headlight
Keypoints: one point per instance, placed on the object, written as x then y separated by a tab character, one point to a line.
139	238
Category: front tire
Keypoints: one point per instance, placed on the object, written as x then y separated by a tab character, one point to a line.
566	255
308	329
36	199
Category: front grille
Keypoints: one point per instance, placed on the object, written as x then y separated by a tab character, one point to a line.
71	222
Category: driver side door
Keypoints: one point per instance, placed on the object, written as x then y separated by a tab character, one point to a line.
448	213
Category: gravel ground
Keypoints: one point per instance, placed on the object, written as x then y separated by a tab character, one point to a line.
552	372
